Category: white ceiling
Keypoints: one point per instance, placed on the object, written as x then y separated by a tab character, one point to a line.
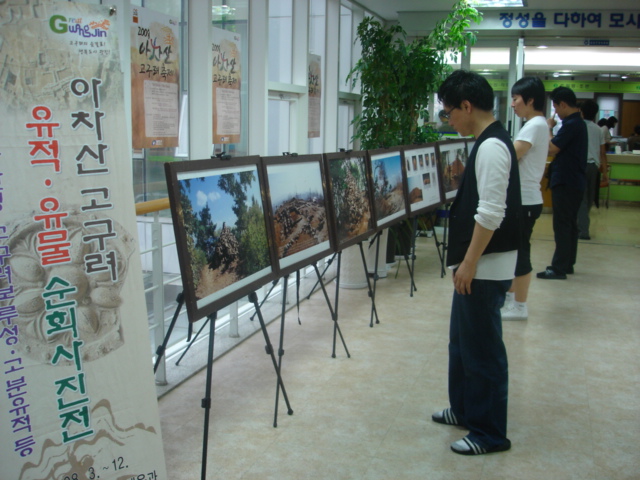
388	9
562	47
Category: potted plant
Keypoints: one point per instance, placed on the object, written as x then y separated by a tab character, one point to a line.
398	79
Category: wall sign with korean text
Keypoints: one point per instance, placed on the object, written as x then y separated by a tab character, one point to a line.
155	79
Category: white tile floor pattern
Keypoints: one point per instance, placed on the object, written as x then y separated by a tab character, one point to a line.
574	393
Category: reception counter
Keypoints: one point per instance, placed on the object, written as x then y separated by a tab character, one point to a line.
624	177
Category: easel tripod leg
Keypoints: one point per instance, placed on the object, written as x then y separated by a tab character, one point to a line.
206	401
280	349
253	298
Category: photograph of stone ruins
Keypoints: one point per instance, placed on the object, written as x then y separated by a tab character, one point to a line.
225	229
299	213
350	198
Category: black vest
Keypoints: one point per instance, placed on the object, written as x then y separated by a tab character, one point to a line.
461	222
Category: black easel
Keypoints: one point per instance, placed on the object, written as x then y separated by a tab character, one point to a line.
334	312
273	285
190	340
206	401
253	298
280	350
442	253
323	272
161	349
412	252
372	290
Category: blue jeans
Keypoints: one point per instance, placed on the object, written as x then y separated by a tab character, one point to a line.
478	368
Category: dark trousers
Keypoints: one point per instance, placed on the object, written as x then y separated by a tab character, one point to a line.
530	213
478	368
566	203
588	199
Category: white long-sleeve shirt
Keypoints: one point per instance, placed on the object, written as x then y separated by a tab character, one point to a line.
493	163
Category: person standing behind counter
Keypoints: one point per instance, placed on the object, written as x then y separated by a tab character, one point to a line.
567	181
532	146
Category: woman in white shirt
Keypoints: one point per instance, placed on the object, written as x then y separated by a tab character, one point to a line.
532	145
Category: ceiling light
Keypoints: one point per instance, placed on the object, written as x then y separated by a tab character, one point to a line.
499	3
542	46
222	10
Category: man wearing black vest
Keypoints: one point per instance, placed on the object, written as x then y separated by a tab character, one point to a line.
567	181
484	239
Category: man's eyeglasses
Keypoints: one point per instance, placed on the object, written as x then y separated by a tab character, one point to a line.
447	115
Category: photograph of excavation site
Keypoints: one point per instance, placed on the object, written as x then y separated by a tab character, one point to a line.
388	192
298	210
453	159
350	194
423	185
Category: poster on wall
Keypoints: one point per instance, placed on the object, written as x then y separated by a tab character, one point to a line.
155	79
388	186
227	76
221	231
78	396
298	210
315	94
424	178
453	160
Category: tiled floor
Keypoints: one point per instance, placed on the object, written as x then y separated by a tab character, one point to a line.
574	402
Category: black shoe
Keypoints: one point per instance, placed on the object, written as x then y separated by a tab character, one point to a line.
467	446
551	274
584	237
446	417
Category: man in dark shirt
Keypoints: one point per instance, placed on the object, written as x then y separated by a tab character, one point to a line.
567	182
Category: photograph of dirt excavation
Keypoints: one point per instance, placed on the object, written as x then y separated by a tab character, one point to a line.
388	193
298	210
423	185
350	195
453	159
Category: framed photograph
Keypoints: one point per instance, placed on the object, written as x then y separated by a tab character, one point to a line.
298	210
424	181
453	161
349	197
221	229
387	184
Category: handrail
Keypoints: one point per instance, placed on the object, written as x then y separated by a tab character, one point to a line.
152	206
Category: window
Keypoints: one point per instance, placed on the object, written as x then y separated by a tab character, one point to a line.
346	42
280	40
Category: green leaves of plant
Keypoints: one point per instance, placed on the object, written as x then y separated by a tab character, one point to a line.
397	78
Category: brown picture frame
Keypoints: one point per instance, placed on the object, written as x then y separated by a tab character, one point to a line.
349	192
224	250
387	186
299	211
452	155
423	184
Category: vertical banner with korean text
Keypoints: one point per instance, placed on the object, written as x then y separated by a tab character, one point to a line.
77	396
155	79
226	79
315	94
